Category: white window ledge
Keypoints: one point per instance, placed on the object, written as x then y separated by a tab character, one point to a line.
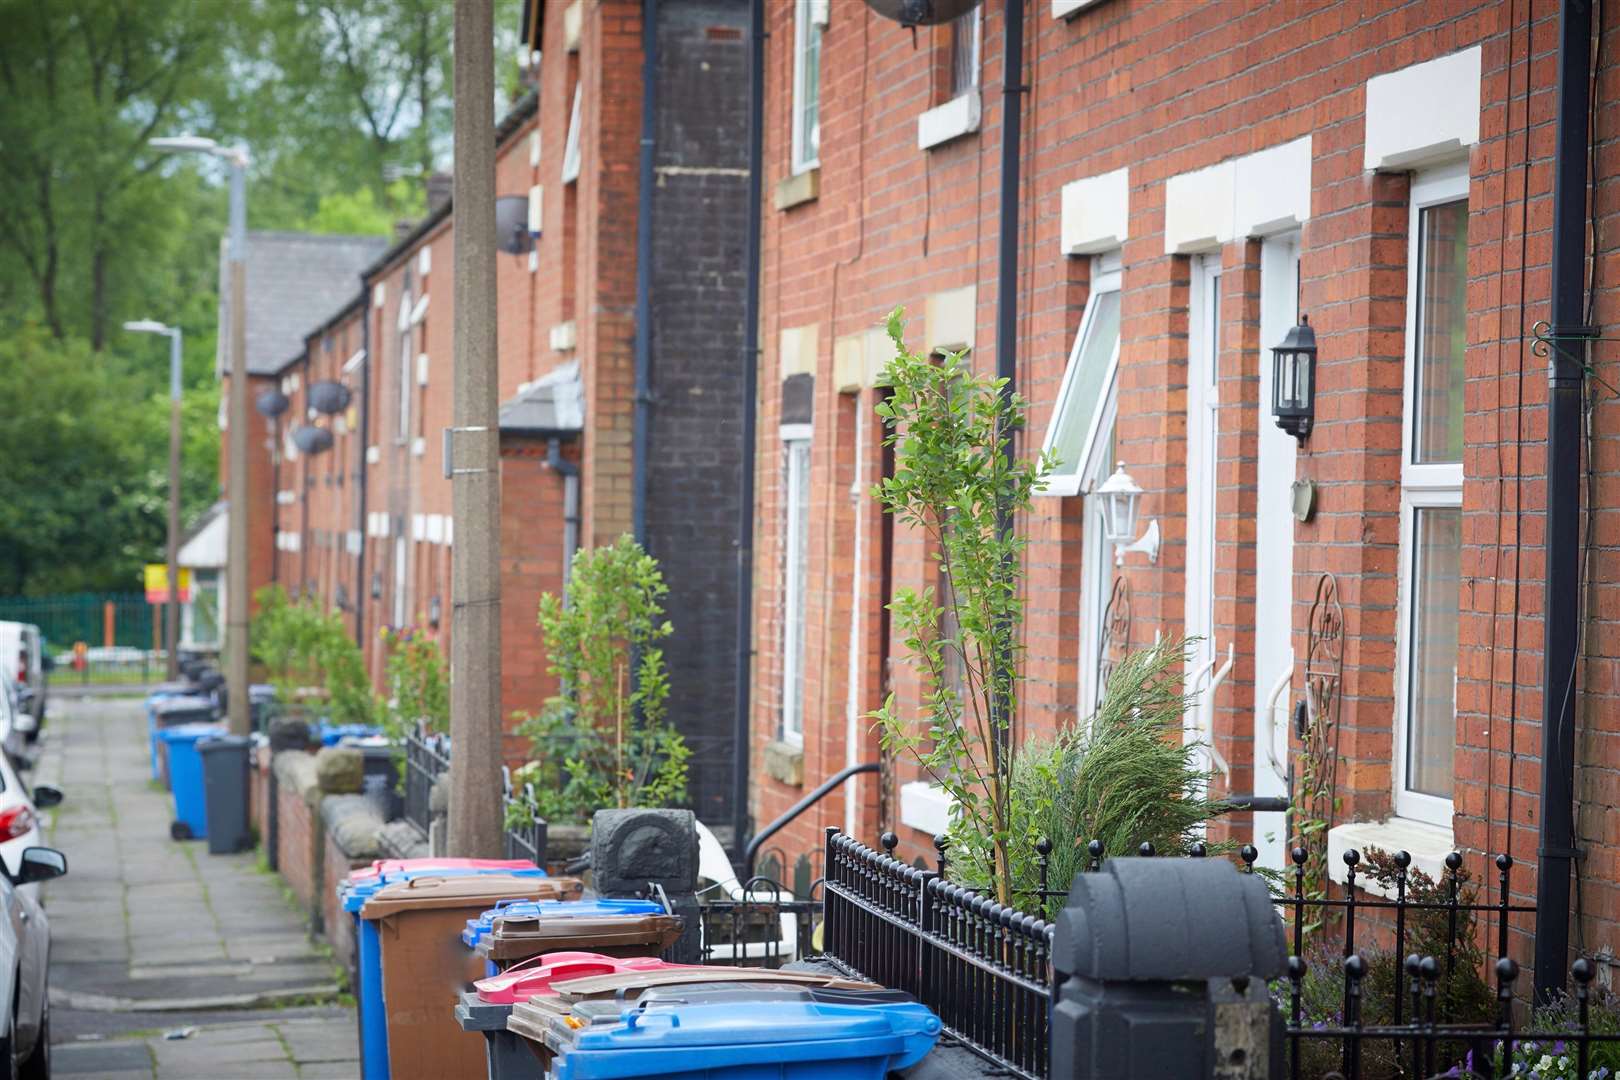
1427	844
957	117
1063	9
925	806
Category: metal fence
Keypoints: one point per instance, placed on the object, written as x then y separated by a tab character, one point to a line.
525	828
983	968
427	757
761	925
1396	983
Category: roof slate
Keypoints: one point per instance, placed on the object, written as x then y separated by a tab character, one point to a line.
294	281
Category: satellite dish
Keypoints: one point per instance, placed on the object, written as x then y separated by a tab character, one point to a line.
271	403
312	440
921	12
328	396
512	225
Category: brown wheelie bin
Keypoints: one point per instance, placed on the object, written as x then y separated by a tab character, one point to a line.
425	966
513	939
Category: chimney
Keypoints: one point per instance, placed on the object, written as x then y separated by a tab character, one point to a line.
438	191
402	229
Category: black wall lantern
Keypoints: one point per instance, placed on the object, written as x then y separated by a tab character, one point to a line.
1293	380
435	612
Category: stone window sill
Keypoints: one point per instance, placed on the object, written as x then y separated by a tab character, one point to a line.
797	189
926	807
943	123
784	763
1427	844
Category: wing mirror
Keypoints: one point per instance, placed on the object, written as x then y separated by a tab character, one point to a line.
46	796
40	864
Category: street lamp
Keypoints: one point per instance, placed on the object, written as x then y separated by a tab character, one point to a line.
171	620
236	572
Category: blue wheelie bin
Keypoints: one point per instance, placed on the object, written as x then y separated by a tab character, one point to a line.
172	710
186	778
353	894
790	1040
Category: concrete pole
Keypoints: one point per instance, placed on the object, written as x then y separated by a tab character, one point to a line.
475	584
238	602
171	630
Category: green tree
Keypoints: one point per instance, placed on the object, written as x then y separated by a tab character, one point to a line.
955	478
604	740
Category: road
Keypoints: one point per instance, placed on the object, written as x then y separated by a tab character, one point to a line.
168	962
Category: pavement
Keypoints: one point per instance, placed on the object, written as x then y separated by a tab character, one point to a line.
166	961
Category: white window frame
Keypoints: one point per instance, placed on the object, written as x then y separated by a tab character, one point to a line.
1105	278
1423	487
977	60
1203	449
570	162
807	14
401	598
403	411
1096	561
793	600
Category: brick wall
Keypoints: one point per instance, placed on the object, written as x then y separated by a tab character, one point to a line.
337	924
297	856
1160	89
699	221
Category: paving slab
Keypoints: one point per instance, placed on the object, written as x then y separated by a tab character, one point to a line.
151	935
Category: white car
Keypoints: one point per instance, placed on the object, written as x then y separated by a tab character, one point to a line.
25	662
19	808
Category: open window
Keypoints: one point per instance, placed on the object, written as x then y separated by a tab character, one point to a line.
1077	420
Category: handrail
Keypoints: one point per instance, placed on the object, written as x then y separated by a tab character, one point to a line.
1207	707
1270	735
828	786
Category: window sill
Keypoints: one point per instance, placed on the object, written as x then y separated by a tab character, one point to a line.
957	117
925	806
797	189
1427	844
784	763
1064	9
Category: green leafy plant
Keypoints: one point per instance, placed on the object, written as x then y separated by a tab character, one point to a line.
418	683
309	656
1125	779
957	482
604	740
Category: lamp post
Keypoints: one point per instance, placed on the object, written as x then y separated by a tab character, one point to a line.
171	620
236	571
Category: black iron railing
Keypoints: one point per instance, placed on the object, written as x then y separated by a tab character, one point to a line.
427	757
984	968
763	926
525	828
1390	981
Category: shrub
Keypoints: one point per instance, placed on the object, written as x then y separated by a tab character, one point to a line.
1125	779
309	655
604	741
418	683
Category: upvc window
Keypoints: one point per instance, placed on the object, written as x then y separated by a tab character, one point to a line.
795	575
1097	571
967	34
1431	495
570	163
809	18
1073	434
403	431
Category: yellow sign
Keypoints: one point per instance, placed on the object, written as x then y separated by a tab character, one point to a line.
157	583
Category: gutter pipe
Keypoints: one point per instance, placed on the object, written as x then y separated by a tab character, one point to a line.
1556	853
644	256
750	396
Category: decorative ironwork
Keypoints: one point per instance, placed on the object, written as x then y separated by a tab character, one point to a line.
525	830
1324	653
427	757
1114	635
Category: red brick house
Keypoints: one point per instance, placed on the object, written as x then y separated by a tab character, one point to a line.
1196	180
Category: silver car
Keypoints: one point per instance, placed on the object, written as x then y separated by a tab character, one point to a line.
25	956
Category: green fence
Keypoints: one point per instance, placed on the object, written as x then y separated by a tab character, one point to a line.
64	620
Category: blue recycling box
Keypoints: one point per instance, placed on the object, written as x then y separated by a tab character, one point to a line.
186	778
554	909
746	1040
372	1015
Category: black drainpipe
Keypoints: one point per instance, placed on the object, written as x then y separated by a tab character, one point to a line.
644	257
1556	853
362	593
1012	102
750	393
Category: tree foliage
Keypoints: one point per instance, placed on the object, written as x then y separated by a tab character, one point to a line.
344	104
957	482
604	739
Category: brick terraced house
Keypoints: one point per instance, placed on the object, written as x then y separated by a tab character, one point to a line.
1197	180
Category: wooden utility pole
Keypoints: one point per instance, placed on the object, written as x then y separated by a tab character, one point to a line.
475	586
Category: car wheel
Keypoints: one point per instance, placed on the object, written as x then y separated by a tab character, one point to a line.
38	1065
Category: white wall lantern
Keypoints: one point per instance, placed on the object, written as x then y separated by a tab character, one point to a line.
1121	498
